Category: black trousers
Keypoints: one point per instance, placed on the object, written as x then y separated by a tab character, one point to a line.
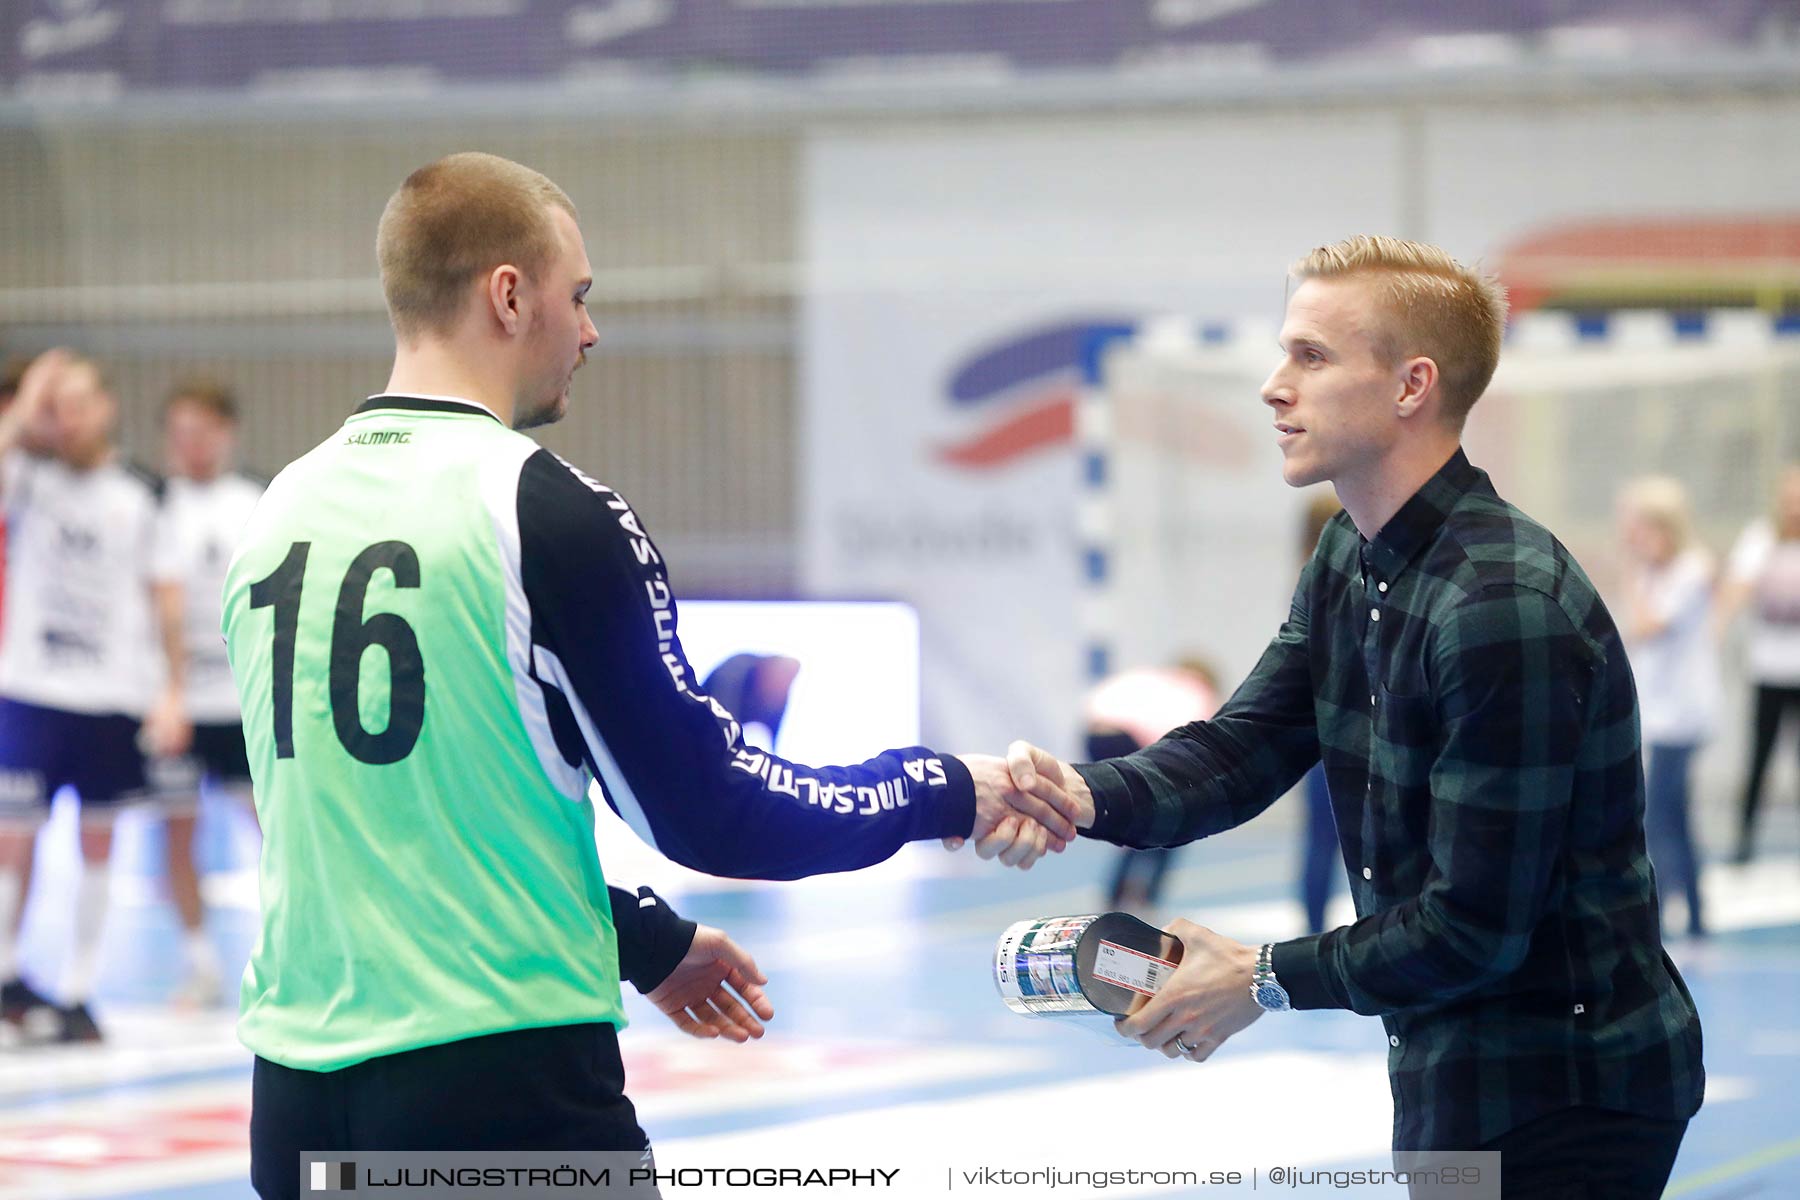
1588	1154
557	1088
1772	704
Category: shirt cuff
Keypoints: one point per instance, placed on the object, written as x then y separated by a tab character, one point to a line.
1112	801
653	939
1299	968
954	813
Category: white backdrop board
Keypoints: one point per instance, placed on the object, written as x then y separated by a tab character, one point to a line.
932	249
932	253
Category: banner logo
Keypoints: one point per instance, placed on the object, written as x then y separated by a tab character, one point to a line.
1016	397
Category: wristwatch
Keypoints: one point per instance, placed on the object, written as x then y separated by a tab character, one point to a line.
1265	989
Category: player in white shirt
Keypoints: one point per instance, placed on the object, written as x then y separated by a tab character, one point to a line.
206	505
88	592
1763	582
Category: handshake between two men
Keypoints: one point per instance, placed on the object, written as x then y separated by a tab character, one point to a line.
1027	804
1031	803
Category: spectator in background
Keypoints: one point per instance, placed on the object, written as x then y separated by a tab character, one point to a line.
206	505
1764	577
87	597
33	441
1320	855
1125	713
1668	635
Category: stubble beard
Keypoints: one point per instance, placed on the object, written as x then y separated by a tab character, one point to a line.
548	413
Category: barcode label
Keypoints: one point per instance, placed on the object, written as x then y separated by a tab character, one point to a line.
1131	969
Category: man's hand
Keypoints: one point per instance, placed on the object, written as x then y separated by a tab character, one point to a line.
1046	778
1011	825
39	381
1000	831
1206	1000
702	994
167	731
32	400
1036	783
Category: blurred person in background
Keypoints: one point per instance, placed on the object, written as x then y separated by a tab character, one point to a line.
206	505
436	932
1763	583
1668	630
1126	712
88	597
35	441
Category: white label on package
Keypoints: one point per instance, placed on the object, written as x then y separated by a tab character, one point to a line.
1131	969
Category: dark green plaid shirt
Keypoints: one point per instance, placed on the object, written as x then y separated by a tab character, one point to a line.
1469	696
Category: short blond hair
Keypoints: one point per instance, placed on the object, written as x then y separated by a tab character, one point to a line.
1437	307
1663	502
453	220
81	362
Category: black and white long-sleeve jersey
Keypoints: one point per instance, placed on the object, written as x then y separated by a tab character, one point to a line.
440	633
622	700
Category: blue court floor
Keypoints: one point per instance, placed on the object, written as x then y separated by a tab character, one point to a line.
889	1046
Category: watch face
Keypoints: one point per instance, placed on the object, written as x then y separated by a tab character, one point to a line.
1272	996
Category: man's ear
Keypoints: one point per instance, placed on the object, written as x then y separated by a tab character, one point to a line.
503	296
1418	387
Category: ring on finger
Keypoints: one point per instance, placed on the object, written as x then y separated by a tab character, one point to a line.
1183	1046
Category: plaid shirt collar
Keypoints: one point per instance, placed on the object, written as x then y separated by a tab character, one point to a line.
1412	528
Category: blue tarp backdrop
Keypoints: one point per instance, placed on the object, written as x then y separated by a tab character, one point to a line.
131	45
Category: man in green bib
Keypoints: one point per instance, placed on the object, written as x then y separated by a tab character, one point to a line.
440	632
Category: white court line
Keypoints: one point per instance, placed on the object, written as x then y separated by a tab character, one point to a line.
1723	1089
1759	895
142	1044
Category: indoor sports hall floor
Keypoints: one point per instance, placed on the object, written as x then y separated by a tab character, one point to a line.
889	1045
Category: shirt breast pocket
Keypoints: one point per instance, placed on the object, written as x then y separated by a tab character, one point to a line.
1405	737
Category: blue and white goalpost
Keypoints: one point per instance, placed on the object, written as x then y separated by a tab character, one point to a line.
1190	539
